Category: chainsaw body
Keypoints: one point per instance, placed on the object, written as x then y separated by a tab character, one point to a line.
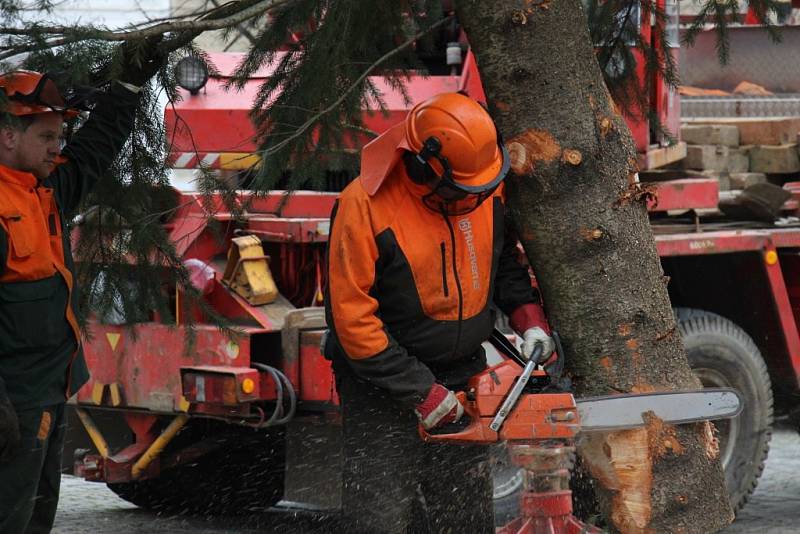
537	414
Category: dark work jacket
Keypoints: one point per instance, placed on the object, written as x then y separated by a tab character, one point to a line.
412	293
41	362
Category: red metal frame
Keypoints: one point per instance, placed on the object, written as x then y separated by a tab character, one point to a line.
220	118
146	364
690	193
315	373
147	367
786	316
757	241
698	244
547	513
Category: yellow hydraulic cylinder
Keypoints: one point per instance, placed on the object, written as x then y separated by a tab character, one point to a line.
158	445
94	432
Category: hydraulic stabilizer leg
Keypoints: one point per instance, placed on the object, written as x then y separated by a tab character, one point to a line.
546	500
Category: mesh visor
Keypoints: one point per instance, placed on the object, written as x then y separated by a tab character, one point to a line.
453	198
34	90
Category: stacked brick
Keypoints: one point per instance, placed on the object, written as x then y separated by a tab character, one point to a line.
742	152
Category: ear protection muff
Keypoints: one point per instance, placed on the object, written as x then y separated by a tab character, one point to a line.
417	165
415	170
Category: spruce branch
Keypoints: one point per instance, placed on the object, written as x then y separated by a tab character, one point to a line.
356	83
53	36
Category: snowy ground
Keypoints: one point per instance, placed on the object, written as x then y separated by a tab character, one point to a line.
87	507
91	508
775	505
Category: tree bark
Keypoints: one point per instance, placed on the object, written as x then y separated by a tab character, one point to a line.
582	220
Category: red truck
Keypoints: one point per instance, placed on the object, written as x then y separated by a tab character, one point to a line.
235	425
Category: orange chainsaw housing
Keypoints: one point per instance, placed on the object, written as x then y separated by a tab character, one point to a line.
535	415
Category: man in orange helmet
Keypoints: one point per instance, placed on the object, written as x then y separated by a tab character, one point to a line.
41	363
419	260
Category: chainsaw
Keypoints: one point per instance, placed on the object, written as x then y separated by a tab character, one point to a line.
526	404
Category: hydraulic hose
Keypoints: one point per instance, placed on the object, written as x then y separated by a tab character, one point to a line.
281	382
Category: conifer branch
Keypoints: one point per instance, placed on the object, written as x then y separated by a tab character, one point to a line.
61	35
356	83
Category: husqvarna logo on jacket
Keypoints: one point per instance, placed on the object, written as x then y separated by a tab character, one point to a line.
465	225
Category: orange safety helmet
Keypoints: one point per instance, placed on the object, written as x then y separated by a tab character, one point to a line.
448	142
30	93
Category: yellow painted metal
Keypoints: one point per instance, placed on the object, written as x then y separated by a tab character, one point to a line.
94	432
247	271
183	404
158	445
113	340
238	160
115	393
97	393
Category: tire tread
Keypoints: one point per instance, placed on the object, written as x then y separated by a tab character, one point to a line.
695	322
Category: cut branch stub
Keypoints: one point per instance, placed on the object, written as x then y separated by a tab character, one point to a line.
572	156
606	125
519	17
591	234
530	147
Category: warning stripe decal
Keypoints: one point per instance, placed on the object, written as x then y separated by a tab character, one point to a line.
214	160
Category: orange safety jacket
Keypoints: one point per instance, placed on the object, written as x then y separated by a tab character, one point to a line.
36	285
412	293
41	362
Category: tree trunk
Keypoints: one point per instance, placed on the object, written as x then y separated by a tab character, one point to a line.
582	220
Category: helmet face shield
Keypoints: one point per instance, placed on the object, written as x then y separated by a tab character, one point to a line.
447	195
47	94
30	93
453	207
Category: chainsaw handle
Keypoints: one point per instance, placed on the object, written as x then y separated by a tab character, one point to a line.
536	355
500	342
471	433
556	369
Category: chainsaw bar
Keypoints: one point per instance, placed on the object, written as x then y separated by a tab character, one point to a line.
620	412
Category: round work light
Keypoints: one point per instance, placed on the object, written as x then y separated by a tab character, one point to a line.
191	73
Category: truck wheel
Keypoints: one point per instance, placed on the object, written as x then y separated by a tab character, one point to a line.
242	475
722	355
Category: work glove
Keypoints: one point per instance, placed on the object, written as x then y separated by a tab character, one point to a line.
9	430
535	335
141	60
440	407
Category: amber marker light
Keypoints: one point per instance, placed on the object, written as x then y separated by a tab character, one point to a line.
248	386
771	257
